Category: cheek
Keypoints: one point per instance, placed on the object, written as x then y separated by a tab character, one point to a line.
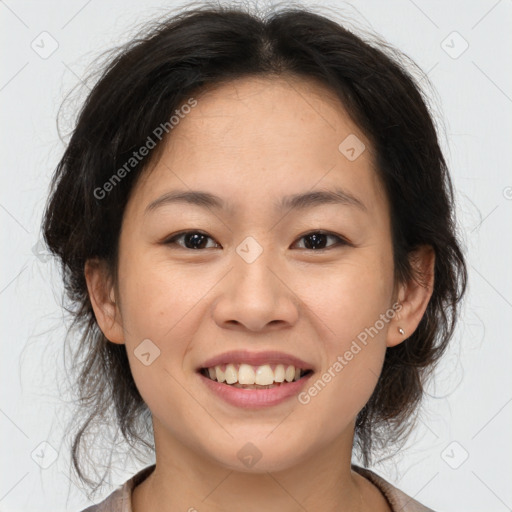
158	297
353	359
160	305
351	295
352	307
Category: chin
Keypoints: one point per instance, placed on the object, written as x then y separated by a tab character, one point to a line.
261	455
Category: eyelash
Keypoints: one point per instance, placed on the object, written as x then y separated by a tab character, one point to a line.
341	241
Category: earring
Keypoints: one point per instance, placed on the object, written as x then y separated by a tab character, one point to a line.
401	331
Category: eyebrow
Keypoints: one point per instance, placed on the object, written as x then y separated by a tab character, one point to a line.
292	202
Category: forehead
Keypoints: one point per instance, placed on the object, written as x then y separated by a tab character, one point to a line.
252	114
259	139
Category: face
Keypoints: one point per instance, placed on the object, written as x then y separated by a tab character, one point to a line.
254	273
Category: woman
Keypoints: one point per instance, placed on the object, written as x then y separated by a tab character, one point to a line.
256	225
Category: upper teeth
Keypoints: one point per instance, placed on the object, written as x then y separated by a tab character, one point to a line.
247	374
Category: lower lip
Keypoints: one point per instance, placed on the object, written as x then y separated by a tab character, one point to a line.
255	398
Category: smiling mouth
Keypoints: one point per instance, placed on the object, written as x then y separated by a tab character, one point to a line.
245	376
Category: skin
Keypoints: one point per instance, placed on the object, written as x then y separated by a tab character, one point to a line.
251	142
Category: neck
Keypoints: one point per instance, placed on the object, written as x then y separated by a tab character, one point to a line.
183	480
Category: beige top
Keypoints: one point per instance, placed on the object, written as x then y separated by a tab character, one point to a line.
120	499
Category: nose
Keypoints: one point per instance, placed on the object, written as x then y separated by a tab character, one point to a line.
256	296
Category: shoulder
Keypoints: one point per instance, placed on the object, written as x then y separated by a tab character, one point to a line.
114	502
120	500
398	500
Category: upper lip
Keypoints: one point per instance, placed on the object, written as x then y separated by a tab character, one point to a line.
256	359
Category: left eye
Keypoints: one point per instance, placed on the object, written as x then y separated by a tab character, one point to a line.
316	240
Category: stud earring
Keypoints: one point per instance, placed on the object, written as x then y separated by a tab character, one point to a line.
401	331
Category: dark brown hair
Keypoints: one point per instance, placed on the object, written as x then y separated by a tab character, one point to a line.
146	80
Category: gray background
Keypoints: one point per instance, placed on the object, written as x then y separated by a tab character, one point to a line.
458	458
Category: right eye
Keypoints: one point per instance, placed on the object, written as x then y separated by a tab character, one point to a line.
192	240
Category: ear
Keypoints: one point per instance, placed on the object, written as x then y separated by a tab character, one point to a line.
414	295
103	300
